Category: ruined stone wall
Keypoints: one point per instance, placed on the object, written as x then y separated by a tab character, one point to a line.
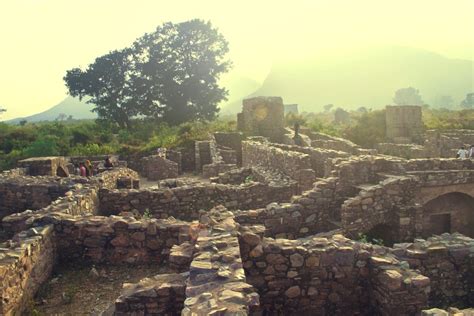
186	201
263	116
294	164
214	169
21	193
24	265
115	239
232	141
448	261
328	276
80	199
407	151
318	156
381	204
217	281
45	166
162	294
158	168
324	141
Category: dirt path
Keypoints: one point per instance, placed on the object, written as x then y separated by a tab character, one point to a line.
75	290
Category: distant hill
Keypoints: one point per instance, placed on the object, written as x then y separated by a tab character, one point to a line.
69	106
365	78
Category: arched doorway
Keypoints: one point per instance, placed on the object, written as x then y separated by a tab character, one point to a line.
449	213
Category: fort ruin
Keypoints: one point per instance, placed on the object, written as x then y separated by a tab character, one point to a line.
267	228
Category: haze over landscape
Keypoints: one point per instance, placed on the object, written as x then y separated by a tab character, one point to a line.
342	52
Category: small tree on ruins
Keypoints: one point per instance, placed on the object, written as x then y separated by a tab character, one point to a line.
171	74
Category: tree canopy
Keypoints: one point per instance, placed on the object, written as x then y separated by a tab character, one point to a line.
171	74
408	96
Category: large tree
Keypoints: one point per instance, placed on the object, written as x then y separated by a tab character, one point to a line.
171	74
408	96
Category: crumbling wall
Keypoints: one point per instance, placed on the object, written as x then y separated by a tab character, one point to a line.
45	166
334	276
156	167
448	262
381	204
318	156
162	294
115	239
186	201
263	116
217	281
294	164
25	264
81	199
19	193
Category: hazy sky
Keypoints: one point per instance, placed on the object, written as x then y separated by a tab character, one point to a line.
41	39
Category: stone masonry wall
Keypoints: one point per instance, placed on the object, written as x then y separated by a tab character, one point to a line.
381	204
328	276
115	239
81	199
21	193
25	264
185	202
294	164
318	156
162	294
448	261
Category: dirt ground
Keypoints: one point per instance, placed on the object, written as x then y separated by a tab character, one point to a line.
78	290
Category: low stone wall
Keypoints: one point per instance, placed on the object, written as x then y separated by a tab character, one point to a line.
81	199
185	202
115	239
318	156
448	261
21	193
212	170
321	140
407	151
162	294
294	164
25	264
158	168
328	276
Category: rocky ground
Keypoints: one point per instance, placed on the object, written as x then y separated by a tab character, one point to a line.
85	289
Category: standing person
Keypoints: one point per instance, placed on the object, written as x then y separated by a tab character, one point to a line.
462	153
89	168
471	152
82	170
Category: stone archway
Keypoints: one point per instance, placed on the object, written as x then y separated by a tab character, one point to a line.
449	213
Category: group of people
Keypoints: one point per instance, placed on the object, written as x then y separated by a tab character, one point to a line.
86	169
464	153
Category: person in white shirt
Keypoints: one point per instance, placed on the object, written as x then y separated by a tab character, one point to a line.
462	153
471	152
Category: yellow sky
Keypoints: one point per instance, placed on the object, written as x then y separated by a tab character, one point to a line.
41	39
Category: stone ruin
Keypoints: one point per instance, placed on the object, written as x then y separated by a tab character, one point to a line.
262	116
270	228
408	138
